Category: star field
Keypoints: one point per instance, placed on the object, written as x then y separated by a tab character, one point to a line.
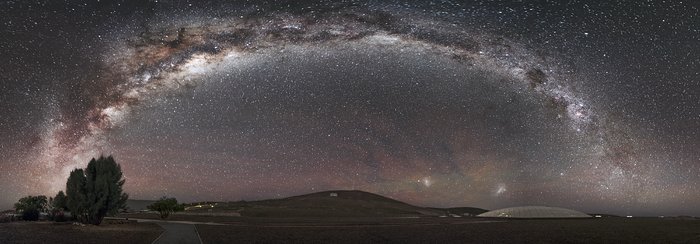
590	106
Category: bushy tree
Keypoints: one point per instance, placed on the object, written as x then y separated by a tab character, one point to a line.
96	191
58	205
75	195
60	201
31	207
166	206
104	188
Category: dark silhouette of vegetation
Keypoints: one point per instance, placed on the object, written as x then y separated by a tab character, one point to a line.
75	195
58	205
59	201
166	206
31	207
7	216
96	191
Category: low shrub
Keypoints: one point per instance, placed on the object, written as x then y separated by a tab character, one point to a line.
7	218
59	216
30	214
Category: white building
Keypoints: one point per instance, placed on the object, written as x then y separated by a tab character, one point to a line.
526	212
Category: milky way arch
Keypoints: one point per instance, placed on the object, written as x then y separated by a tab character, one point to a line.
155	60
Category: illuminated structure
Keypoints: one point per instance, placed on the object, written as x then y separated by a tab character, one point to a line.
527	212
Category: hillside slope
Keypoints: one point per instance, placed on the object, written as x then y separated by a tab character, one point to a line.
324	204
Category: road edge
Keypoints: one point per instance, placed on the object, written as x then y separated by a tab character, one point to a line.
198	236
161	234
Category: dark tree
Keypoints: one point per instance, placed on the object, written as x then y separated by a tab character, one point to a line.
75	195
96	191
58	205
59	202
166	206
104	188
31	207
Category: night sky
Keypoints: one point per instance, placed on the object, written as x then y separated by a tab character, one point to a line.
585	105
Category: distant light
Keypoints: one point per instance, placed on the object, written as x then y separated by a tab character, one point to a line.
598	216
629	216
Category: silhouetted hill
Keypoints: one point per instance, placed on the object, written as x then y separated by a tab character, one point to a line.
328	204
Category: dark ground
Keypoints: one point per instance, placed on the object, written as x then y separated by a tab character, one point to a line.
182	217
50	232
374	230
456	230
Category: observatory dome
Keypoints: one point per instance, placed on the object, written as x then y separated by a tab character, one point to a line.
534	212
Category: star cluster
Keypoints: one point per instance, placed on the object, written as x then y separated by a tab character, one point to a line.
588	106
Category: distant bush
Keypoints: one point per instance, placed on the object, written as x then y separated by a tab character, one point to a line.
31	207
7	218
58	216
166	206
31	215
